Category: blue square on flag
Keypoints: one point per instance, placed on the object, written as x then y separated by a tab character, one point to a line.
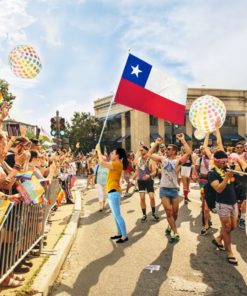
136	70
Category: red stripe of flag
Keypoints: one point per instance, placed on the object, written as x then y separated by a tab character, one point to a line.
142	99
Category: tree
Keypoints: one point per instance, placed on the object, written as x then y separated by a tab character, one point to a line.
4	90
85	129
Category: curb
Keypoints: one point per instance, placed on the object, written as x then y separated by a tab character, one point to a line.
50	270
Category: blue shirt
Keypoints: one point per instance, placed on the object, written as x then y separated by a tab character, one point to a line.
101	174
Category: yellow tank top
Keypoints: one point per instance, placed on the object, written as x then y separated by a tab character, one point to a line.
113	177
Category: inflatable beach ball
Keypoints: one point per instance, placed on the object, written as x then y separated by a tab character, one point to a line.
24	61
199	135
205	111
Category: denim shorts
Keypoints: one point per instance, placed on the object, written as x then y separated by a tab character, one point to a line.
168	192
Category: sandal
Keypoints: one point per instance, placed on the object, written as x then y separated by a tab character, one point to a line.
10	282
232	260
219	246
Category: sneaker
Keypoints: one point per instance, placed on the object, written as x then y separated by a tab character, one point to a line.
210	223
156	217
174	238
185	201
204	231
144	218
168	231
241	223
127	195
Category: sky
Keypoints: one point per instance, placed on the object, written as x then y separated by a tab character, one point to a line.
83	46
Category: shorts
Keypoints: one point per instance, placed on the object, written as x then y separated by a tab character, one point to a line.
168	192
127	176
224	210
146	185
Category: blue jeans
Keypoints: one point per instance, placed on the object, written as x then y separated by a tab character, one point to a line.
114	203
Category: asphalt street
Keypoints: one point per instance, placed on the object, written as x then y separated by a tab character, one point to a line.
193	266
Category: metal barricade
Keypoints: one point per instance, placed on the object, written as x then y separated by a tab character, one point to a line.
23	230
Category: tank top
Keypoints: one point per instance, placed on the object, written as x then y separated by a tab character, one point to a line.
169	176
143	168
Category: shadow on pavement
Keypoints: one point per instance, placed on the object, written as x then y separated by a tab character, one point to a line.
89	276
222	277
150	283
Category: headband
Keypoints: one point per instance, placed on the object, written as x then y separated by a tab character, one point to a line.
220	159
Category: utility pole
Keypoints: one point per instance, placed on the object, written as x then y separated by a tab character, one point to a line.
58	128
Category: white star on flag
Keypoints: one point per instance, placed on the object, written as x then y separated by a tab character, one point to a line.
136	70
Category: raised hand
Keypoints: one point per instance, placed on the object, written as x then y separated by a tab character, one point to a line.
180	137
158	141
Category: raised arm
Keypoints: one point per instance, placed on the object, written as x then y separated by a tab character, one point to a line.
102	162
205	146
218	136
187	148
151	154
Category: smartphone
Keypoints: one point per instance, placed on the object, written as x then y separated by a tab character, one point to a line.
13	129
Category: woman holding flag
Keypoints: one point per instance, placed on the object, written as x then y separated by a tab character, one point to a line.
115	167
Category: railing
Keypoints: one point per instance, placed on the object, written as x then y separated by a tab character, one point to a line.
23	230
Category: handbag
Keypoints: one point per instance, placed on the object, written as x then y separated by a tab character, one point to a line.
96	174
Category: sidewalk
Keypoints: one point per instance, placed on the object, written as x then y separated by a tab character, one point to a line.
60	220
97	266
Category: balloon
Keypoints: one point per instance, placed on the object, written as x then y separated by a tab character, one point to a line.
205	111
24	61
199	135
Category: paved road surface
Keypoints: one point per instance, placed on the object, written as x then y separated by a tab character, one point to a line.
97	266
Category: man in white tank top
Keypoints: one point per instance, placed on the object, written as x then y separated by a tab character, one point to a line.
169	181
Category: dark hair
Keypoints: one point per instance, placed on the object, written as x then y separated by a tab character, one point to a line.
122	155
239	143
174	147
220	155
34	154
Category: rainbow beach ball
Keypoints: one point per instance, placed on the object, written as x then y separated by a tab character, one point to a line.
205	111
24	61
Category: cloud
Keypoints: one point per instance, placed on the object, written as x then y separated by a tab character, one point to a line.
13	19
52	27
209	48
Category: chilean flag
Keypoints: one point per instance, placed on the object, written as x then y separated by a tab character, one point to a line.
144	88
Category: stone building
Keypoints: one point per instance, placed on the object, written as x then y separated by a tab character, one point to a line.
30	128
131	126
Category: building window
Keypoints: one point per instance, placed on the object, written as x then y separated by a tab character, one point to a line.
231	121
153	120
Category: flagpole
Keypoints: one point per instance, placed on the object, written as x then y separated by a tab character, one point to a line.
112	100
107	115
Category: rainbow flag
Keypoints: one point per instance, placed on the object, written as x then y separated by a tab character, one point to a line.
24	175
60	196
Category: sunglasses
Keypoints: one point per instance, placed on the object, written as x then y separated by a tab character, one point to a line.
239	147
169	148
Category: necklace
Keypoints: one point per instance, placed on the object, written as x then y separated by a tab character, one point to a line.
222	174
143	163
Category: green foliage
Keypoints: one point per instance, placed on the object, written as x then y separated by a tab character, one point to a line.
4	89
30	135
85	128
